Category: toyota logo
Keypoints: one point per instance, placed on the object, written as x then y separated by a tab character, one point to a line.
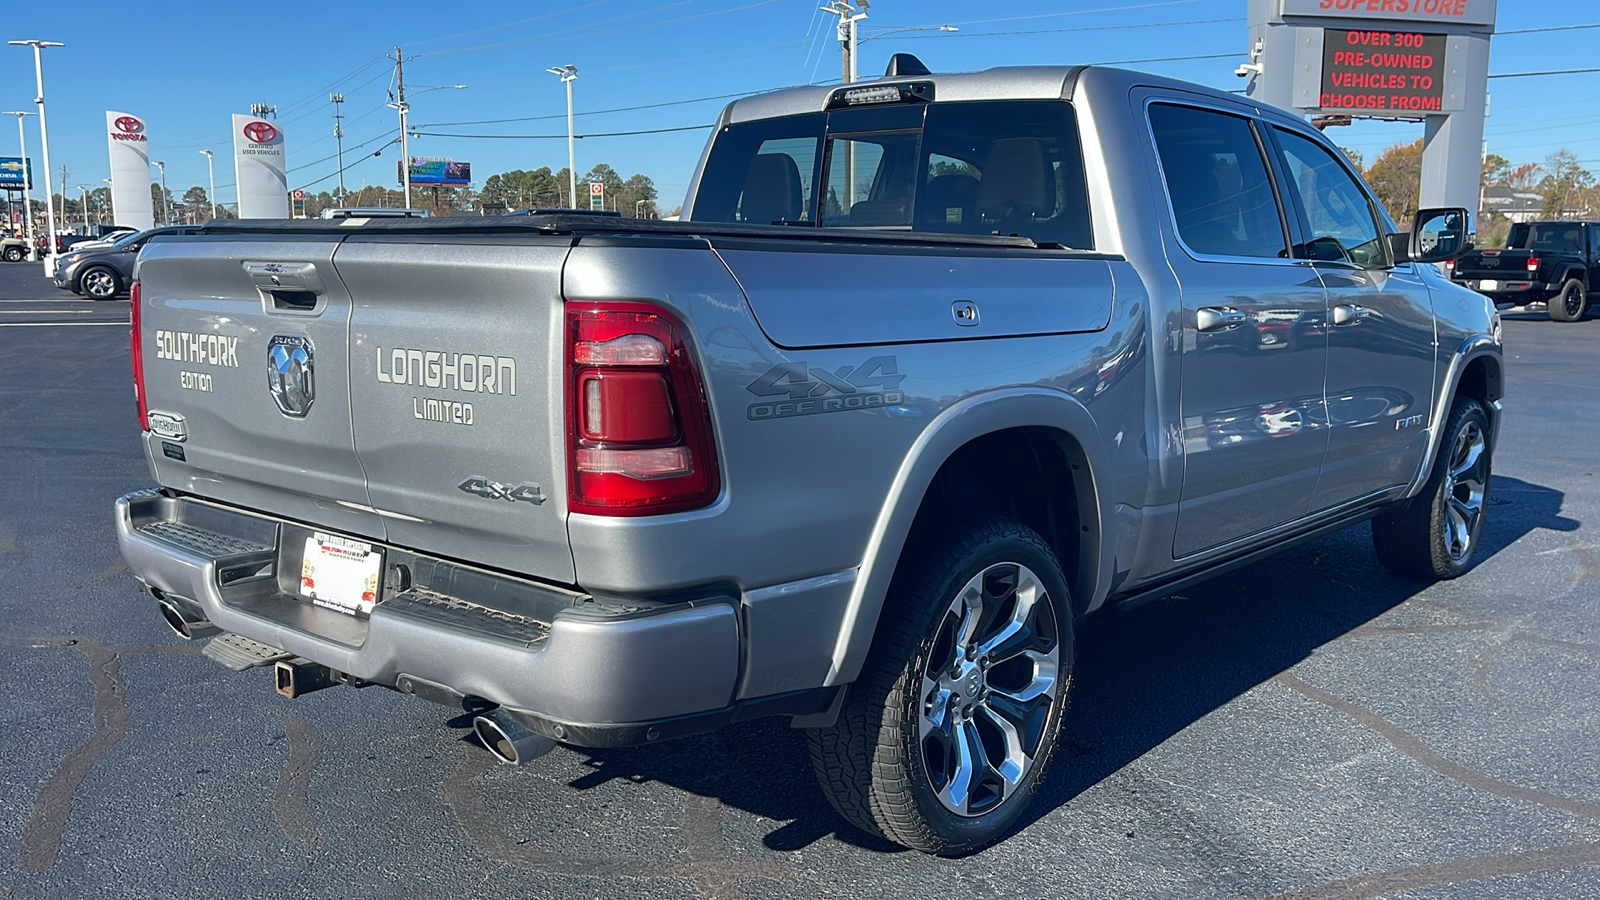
289	374
129	125
260	132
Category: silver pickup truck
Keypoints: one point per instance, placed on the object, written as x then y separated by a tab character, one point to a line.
934	367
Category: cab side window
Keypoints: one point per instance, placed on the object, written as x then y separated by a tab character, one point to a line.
1217	179
1335	215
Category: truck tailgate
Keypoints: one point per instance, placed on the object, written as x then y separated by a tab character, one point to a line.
455	387
244	347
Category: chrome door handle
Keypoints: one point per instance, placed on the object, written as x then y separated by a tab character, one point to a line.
1218	318
1346	313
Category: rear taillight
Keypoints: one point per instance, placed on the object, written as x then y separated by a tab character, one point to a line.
1533	264
638	428
138	359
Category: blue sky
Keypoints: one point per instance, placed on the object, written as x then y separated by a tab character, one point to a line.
185	68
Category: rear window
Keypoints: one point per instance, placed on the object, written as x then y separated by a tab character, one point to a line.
1555	237
988	167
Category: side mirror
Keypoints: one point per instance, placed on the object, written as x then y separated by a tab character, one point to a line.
1437	235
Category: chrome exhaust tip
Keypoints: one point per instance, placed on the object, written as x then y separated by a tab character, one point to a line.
509	738
183	623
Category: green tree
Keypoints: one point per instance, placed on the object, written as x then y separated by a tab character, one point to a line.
1564	185
1396	177
1496	170
1354	156
196	205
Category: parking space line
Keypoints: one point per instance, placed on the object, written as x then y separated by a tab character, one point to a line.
58	324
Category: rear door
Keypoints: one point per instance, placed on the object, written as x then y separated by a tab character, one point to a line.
455	395
244	346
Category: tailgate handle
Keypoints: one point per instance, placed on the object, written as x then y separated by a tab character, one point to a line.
282	299
292	286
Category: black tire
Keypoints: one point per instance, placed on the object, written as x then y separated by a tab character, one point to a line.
100	283
874	763
13	254
1436	535
1571	303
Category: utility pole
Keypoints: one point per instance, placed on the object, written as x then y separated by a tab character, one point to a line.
338	138
84	193
27	179
849	12
400	104
262	110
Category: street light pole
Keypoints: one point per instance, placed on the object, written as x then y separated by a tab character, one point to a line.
166	210
44	141
569	74
211	178
27	178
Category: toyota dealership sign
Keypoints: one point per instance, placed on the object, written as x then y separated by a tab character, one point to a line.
258	168
130	170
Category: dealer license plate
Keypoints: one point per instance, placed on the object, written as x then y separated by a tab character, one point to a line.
1488	284
341	574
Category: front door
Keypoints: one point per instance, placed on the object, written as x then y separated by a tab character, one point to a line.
1253	346
1380	328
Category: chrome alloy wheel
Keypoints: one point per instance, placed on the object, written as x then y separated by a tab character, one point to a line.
987	690
99	283
1465	484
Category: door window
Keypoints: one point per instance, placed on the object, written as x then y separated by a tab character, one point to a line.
1335	214
1216	177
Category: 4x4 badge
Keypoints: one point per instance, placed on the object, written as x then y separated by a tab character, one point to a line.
494	490
290	375
874	383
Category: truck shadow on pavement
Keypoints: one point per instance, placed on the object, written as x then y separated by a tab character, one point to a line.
1141	676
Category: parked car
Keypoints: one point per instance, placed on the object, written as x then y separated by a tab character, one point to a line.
1552	262
375	212
104	271
13	249
925	375
64	242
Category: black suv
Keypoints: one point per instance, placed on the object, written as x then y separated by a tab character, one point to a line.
1553	262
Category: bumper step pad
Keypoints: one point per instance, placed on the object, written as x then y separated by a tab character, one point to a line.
238	652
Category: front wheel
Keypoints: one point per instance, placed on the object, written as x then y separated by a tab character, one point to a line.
13	254
100	283
1436	535
943	739
1571	303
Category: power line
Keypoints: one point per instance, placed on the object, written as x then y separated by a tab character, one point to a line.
451	37
973	34
549	36
596	112
1550	28
1078	12
540	137
352	165
1549	72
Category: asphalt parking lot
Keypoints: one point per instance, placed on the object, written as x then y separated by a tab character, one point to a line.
1307	727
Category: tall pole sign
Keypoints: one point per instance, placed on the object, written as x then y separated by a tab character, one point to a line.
1426	60
258	168
129	147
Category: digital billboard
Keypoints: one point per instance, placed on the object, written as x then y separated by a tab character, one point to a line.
11	174
1395	72
432	170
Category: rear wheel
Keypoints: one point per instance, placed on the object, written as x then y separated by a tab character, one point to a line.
944	737
100	283
1571	303
1436	535
13	254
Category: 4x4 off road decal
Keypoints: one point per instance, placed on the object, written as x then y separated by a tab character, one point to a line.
807	391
